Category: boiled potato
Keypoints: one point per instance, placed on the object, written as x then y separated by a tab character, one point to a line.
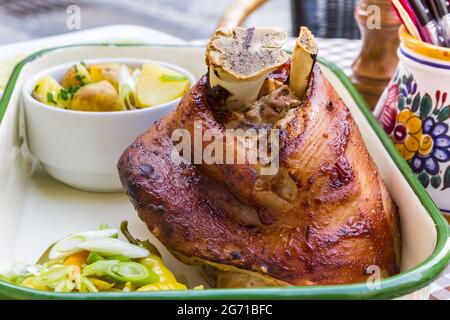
95	97
77	76
108	71
47	90
157	84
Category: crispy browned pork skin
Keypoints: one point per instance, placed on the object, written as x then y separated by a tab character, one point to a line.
323	218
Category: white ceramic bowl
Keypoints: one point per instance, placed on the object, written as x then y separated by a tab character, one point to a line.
81	149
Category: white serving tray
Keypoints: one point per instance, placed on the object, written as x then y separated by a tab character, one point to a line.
36	210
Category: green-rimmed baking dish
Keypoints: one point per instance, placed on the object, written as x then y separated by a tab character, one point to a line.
35	210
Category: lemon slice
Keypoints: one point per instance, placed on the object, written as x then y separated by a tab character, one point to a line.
47	90
157	85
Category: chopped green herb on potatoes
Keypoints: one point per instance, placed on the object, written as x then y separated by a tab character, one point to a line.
111	86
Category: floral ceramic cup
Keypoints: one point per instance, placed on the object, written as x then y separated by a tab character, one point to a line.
415	111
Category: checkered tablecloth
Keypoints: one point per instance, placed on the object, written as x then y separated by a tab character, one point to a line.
440	289
341	52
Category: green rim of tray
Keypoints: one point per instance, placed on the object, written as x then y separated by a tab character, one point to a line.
392	287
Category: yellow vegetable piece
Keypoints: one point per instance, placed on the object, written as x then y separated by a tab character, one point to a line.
157	265
167	279
101	285
95	97
77	259
47	90
29	283
77	76
160	286
108	71
199	287
128	287
152	90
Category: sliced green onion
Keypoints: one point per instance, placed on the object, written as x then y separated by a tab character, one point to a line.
172	77
132	272
103	226
50	98
111	247
12	278
65	286
94	257
127	88
99	268
34	269
14	272
69	245
118	257
146	244
83	284
51	277
50	264
72	271
19	279
122	271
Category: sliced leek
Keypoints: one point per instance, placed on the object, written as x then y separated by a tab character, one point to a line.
105	265
51	277
83	284
132	272
111	247
65	286
69	245
127	88
94	257
99	268
122	271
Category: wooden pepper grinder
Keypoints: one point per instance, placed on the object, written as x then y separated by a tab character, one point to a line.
378	59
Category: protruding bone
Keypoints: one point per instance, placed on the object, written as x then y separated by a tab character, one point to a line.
303	60
239	60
